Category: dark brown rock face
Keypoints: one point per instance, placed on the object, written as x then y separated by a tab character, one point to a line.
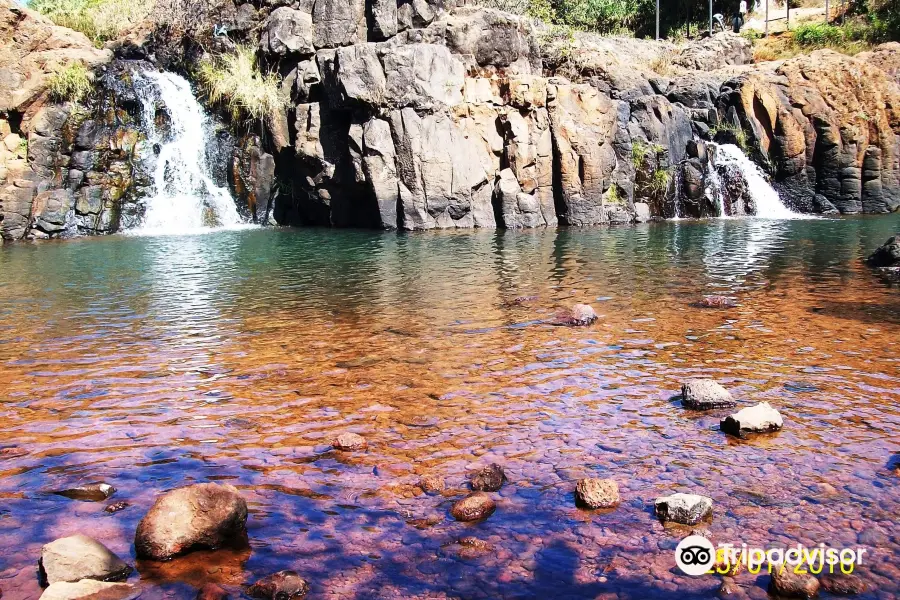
488	479
201	516
473	507
284	585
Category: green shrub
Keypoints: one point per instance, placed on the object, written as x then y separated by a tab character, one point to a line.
71	83
659	181
618	17
235	81
818	35
99	20
639	152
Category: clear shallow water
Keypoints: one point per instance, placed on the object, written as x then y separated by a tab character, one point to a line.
155	362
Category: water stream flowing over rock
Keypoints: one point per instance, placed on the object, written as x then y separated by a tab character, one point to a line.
765	200
184	195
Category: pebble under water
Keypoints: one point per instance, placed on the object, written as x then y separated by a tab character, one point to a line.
155	362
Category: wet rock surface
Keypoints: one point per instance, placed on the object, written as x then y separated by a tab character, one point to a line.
488	479
211	591
597	493
685	509
581	315
842	585
94	492
887	255
284	585
761	418
205	515
786	583
89	589
432	484
78	557
705	394
473	507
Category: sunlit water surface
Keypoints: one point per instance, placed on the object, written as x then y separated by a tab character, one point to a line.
156	362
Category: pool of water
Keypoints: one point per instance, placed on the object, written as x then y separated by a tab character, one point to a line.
155	362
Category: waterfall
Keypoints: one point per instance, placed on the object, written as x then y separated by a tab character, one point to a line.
184	197
765	198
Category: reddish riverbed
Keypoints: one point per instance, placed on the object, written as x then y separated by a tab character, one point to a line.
151	363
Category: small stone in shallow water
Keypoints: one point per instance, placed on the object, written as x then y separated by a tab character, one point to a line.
116	507
597	493
788	584
687	509
843	585
211	591
716	302
283	585
432	484
80	557
488	479
350	441
201	516
580	316
705	394
12	452
473	507
92	492
90	589
729	586
761	418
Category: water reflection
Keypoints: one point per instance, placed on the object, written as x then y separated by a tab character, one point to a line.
157	362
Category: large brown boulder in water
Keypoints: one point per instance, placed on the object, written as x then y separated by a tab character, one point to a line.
202	516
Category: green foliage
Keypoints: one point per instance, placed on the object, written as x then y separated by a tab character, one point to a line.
605	16
659	181
884	18
99	20
818	35
639	151
737	134
235	81
71	83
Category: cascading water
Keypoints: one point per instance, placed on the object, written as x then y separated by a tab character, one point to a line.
184	198
765	198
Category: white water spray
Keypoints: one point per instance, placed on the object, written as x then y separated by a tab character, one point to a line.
765	198
184	198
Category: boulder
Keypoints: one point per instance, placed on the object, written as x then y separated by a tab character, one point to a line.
91	492
349	441
840	584
288	31
473	507
579	316
358	75
716	302
283	585
488	479
761	418
786	583
90	589
202	516
705	394
887	255
80	557
686	509
597	493
384	19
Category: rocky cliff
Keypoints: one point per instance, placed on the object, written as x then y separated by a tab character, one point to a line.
421	115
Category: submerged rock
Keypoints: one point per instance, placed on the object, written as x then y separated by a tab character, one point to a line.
761	418
90	589
788	584
92	492
432	484
350	441
116	507
581	315
705	394
211	591
201	516
488	479
842	585
80	557
473	507
283	585
888	255
716	302
597	493
687	509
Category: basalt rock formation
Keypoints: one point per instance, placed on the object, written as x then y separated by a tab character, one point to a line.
430	114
